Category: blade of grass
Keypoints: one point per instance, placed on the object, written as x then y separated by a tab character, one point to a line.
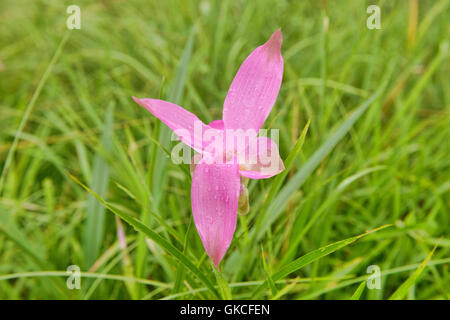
160	160
270	281
30	107
276	185
95	220
107	265
8	227
321	210
222	284
313	256
83	275
384	273
139	226
309	280
279	179
280	201
402	291
357	294
180	270
37	254
175	96
285	290
127	266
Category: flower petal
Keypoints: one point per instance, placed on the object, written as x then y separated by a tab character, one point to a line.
214	198
217	146
261	159
217	124
255	87
186	125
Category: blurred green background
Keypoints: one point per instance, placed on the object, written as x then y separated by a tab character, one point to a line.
66	108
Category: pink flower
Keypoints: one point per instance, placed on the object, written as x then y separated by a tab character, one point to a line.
216	182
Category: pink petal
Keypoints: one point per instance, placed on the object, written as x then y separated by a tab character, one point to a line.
261	159
217	124
186	125
255	87
214	198
217	146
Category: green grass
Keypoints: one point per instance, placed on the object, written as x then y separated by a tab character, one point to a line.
364	119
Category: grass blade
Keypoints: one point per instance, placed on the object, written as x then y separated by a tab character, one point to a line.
160	160
9	228
280	201
357	294
279	179
403	289
180	270
127	266
176	93
30	107
95	221
222	283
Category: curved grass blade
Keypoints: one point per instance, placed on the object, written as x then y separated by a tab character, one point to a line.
37	254
175	95
318	213
279	179
30	107
403	289
139	226
222	284
9	228
358	291
95	220
127	266
160	161
271	283
180	271
278	204
93	275
313	256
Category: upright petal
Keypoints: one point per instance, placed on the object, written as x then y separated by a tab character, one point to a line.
255	87
261	159
186	125
214	198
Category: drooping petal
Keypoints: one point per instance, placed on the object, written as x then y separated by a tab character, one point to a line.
186	125
214	198
261	159
255	87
